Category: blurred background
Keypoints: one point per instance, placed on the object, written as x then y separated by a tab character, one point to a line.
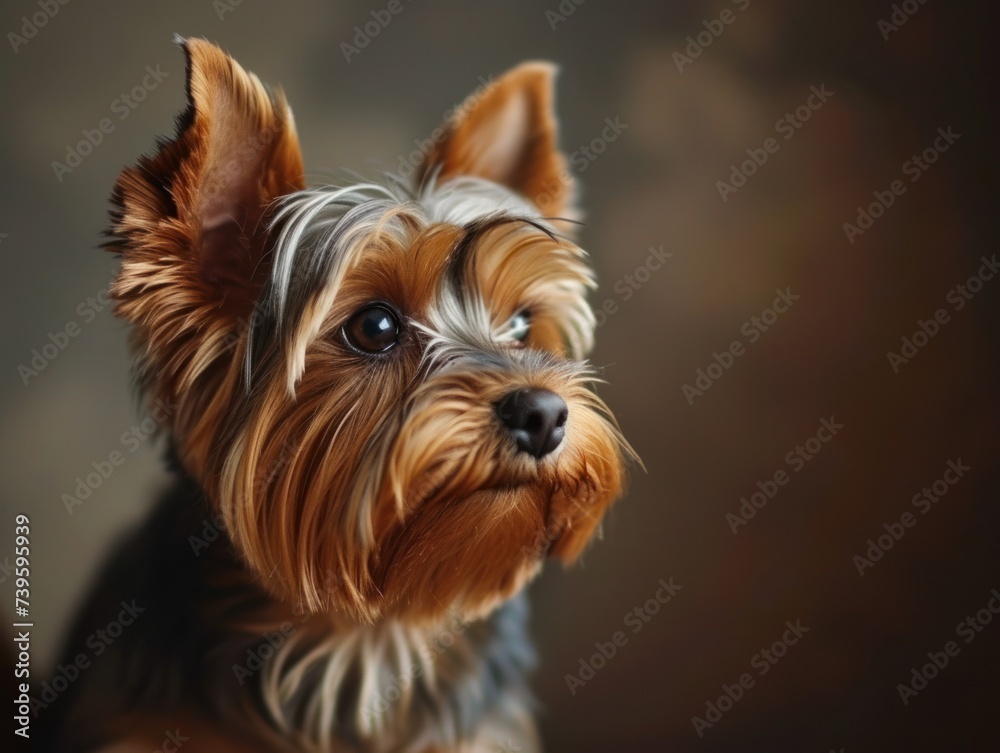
692	86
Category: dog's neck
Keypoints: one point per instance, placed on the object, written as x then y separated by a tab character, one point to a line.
323	678
367	681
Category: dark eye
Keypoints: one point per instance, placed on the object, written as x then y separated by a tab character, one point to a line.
517	328
374	329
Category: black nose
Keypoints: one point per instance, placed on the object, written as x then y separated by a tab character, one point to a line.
536	419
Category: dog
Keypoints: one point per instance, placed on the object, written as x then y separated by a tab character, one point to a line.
380	424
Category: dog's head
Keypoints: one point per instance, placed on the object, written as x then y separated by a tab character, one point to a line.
378	385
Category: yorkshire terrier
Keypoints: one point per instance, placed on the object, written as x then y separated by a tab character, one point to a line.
380	422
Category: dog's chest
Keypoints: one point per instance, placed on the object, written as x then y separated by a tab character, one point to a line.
373	687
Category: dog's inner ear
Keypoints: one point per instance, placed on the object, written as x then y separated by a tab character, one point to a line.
246	154
251	157
201	203
507	133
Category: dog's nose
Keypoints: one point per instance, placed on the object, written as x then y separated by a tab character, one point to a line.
536	419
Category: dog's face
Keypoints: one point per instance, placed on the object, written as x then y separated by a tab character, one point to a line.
379	386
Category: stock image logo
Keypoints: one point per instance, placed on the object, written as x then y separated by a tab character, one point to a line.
752	330
635	620
762	663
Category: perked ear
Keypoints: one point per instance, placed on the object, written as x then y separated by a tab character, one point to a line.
508	133
190	221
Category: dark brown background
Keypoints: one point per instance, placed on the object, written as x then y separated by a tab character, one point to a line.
655	185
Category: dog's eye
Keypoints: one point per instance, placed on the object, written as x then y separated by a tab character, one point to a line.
517	328
374	329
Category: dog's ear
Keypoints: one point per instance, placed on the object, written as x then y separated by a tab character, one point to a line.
507	132
190	221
